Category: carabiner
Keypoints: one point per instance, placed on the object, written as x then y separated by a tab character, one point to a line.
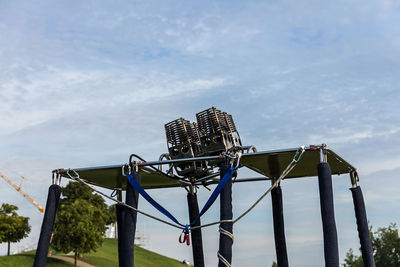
123	169
298	154
74	172
239	156
184	237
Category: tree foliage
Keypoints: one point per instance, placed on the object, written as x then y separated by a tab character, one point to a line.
111	214
81	220
13	227
112	218
385	245
352	260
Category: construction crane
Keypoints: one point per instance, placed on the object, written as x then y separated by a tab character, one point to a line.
18	188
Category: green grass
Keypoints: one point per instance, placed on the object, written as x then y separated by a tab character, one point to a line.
105	256
26	259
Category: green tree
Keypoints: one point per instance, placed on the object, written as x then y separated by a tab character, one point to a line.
352	260
112	217
76	190
111	214
13	227
385	245
81	220
274	264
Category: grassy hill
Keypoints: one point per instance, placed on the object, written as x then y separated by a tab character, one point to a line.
106	256
26	259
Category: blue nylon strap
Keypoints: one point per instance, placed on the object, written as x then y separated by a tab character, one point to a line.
215	193
210	201
154	203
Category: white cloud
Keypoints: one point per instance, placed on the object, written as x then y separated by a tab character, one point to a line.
354	136
374	165
34	96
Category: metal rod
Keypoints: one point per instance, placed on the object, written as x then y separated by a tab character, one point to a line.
354	179
164	162
253	179
220	157
119	195
323	154
58	180
207	177
158	162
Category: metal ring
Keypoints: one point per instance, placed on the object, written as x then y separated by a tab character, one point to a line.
58	179
123	169
136	166
230	156
239	156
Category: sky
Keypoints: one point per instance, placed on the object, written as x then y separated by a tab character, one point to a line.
87	83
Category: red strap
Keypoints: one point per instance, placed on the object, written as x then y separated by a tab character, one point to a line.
184	237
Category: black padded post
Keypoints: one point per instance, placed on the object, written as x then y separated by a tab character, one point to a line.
331	249
362	227
197	240
120	231
53	199
225	242
279	227
126	220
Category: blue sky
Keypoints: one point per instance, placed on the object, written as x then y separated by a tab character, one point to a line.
88	83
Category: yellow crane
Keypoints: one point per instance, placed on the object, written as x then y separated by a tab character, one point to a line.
18	188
